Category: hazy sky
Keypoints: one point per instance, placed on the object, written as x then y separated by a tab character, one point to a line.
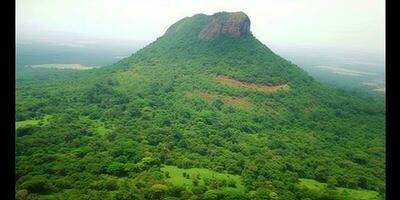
349	24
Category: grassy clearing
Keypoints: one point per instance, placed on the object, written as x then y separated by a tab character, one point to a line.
96	125
32	122
176	177
29	122
258	87
353	194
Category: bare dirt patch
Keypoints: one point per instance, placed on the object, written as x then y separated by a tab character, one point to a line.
237	101
259	87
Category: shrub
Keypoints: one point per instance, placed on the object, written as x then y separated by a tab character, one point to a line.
38	185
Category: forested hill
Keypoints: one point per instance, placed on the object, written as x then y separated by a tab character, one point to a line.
218	43
206	111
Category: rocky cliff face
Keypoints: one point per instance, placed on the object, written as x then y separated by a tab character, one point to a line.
233	24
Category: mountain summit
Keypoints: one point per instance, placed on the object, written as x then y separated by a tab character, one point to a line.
223	44
208	27
234	24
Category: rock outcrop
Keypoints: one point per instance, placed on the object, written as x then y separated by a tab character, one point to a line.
233	24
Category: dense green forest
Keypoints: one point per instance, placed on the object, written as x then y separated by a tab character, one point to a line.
161	125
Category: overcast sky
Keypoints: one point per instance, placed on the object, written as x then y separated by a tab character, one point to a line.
348	24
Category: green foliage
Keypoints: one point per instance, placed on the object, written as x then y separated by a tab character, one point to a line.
326	190
115	132
38	185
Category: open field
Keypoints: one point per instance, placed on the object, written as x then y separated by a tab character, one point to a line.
62	66
343	71
201	175
32	122
353	194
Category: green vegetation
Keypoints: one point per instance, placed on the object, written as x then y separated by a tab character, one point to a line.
117	130
202	177
343	193
32	122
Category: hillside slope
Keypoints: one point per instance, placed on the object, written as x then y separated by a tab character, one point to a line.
207	96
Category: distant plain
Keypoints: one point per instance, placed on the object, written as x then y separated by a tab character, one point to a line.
349	71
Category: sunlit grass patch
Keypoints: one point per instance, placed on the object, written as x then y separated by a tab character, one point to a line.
32	122
203	176
353	194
